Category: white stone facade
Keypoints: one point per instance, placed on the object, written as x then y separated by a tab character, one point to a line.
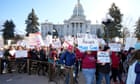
76	24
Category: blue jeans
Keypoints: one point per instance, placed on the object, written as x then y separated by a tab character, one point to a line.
89	75
107	78
69	76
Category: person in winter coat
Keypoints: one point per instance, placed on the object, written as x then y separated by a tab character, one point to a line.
68	59
43	59
52	63
115	57
133	77
137	71
11	59
104	69
89	66
129	56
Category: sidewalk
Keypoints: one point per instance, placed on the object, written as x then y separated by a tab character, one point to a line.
24	78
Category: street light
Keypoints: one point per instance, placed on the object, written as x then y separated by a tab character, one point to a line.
87	31
54	33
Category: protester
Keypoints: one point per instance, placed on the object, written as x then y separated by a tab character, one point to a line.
21	61
115	67
3	61
52	63
77	62
43	60
97	69
11	58
104	69
35	54
89	66
137	71
68	59
129	55
123	63
133	77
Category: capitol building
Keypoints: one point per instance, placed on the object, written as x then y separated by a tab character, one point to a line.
77	23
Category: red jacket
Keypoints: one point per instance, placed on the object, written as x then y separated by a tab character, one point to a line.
78	54
115	60
89	61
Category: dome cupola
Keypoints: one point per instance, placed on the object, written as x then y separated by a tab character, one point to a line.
78	9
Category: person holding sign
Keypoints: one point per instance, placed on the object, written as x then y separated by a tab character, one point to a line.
21	58
11	58
104	65
88	65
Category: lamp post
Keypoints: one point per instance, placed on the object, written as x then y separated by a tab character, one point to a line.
87	31
53	33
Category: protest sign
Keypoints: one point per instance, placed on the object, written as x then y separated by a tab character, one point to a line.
87	42
22	43
56	43
21	53
130	42
1	54
1	42
71	40
101	41
48	40
35	39
137	46
66	44
103	57
115	47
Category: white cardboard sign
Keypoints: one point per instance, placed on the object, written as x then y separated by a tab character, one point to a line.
1	54
48	40
35	40
130	42
87	42
56	43
21	53
103	57
115	47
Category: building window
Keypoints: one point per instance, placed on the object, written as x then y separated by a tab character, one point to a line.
76	25
80	25
67	26
72	25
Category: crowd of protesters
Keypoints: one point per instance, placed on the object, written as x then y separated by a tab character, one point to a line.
123	63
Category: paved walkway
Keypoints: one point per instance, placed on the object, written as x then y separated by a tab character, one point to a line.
24	78
16	78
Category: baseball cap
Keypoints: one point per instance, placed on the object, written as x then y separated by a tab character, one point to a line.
70	47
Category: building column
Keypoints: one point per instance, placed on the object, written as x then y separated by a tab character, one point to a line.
65	30
84	28
78	29
70	29
74	28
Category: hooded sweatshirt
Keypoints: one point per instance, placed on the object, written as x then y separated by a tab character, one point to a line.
89	61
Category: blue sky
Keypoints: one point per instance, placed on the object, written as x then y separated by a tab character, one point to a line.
56	11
